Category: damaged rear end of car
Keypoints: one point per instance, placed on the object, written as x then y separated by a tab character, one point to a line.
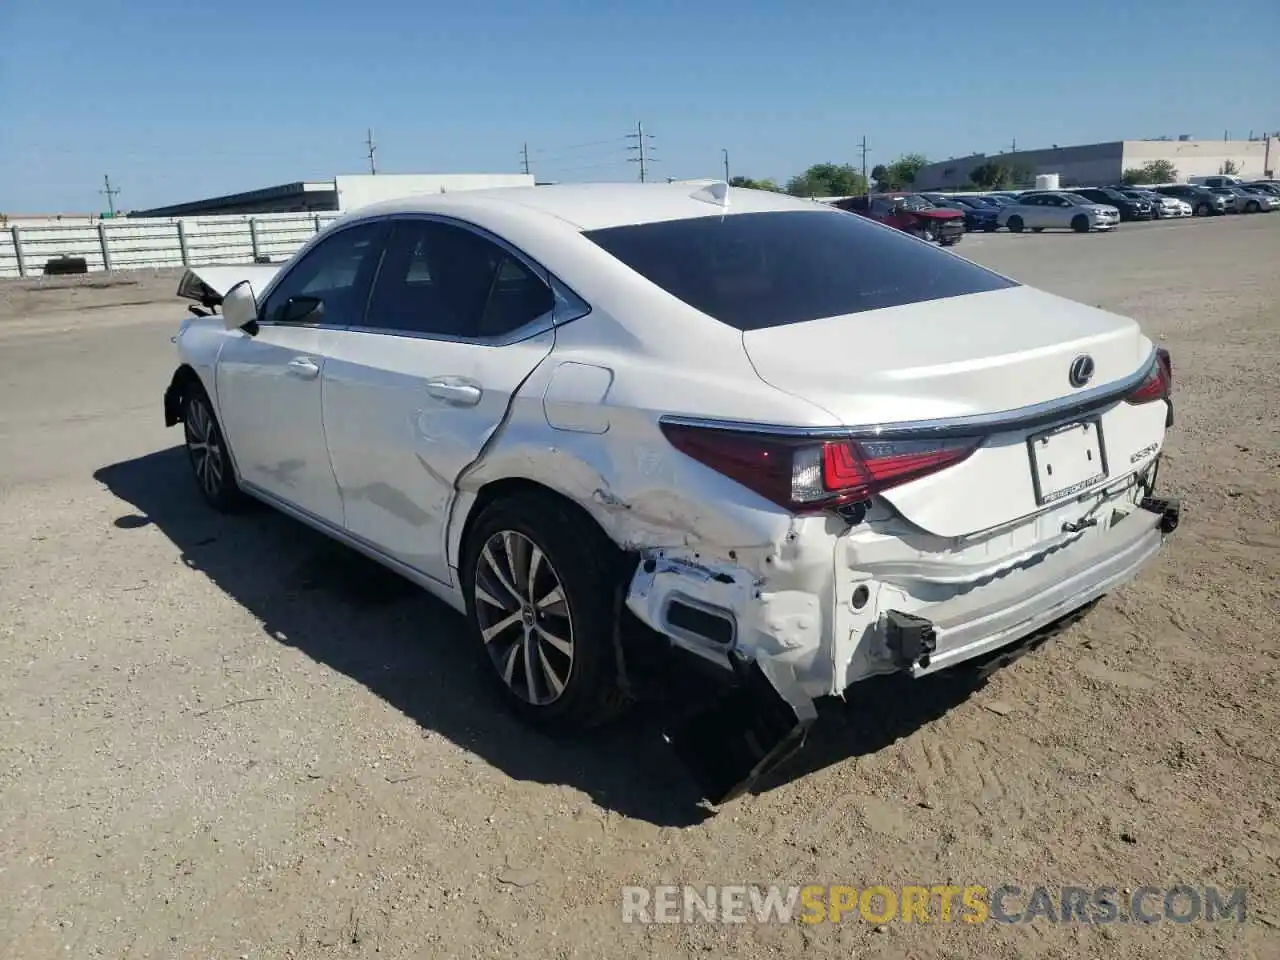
987	470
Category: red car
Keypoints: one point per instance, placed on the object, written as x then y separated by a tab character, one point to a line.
911	213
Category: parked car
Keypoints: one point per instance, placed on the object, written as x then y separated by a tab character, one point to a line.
1204	202
977	216
615	422
1130	208
1238	200
1219	180
1271	187
1266	199
1162	207
910	213
1043	209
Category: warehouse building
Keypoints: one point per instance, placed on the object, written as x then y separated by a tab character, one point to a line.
341	194
1104	163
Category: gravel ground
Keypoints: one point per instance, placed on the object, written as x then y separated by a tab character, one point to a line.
230	738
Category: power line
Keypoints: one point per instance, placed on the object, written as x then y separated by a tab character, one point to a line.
110	192
642	157
373	151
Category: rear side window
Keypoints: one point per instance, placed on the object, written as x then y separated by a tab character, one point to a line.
757	270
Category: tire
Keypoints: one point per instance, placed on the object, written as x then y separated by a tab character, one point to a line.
1015	223
1080	223
1252	207
1201	210
208	452
952	242
575	685
927	234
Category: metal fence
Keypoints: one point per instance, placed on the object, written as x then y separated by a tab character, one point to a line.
128	243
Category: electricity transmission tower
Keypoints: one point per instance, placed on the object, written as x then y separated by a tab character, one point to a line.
110	193
643	156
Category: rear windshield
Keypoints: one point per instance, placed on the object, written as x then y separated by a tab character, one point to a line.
756	270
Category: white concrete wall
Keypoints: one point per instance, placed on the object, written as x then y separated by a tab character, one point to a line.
128	243
359	190
1195	158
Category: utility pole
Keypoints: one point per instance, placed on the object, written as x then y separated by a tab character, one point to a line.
110	192
373	151
524	155
725	151
642	156
1013	146
864	163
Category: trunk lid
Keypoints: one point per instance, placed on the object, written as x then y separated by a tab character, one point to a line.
985	353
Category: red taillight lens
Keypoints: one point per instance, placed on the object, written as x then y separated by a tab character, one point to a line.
803	475
1158	383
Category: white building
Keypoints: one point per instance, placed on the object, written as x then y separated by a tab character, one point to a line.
1105	163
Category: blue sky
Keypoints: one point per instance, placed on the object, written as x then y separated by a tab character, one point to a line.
177	99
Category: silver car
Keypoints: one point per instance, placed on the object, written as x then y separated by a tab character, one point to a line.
1268	199
1046	209
1240	200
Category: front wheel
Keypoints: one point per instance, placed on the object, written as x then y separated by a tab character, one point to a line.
927	233
1252	207
1080	224
207	451
1015	223
1202	210
540	583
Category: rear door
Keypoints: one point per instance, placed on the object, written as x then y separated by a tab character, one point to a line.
457	321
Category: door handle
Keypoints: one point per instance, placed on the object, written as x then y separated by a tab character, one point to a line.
458	391
304	367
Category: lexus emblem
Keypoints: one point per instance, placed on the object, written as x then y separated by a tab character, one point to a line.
1081	371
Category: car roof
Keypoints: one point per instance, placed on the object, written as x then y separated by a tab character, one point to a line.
595	206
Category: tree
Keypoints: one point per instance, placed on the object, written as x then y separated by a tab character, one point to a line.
880	174
748	183
1229	168
991	175
1153	171
900	174
827	180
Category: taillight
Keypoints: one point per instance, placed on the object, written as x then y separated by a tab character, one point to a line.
1158	383
804	475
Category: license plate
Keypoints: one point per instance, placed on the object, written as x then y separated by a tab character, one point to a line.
1067	460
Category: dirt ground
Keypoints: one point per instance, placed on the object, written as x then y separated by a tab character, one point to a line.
229	738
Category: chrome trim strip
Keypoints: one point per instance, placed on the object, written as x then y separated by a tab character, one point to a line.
978	424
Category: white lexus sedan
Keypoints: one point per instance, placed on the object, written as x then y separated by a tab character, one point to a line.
611	421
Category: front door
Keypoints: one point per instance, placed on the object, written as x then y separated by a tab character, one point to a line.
269	381
455	325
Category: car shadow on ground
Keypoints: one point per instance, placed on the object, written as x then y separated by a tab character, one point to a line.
354	616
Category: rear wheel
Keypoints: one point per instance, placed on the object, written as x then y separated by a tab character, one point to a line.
540	582
1015	223
207	451
1202	209
1080	223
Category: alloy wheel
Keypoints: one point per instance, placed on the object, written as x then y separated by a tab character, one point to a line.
205	448
524	617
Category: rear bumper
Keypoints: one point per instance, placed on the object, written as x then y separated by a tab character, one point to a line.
973	625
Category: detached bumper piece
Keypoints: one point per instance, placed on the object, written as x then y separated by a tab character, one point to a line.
747	733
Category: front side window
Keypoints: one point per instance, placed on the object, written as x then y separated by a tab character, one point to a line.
330	284
757	270
439	279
